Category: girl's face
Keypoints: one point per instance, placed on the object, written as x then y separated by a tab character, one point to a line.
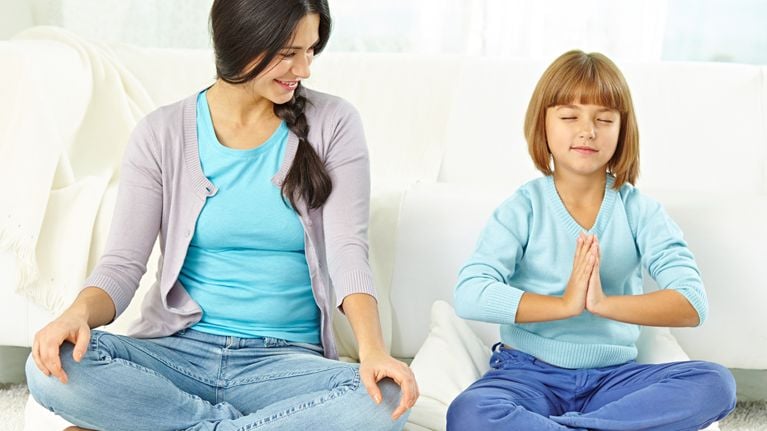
582	138
280	78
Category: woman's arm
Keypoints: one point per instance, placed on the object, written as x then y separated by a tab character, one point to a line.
375	363
112	284
92	308
345	223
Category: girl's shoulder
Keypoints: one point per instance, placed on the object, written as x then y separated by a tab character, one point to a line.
635	201
524	198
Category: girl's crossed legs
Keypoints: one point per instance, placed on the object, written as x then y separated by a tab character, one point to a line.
522	392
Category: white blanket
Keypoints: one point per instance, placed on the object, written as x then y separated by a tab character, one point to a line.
59	163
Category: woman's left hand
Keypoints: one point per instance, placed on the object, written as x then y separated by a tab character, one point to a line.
377	366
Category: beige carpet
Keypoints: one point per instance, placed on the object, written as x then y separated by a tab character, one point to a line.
748	416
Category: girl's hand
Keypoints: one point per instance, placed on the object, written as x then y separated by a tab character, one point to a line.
45	348
375	367
595	294
583	266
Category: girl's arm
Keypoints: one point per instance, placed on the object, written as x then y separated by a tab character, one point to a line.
542	308
662	308
483	292
681	300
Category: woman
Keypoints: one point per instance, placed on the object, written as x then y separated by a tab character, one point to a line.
259	189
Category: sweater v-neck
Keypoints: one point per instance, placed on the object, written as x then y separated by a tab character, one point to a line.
605	209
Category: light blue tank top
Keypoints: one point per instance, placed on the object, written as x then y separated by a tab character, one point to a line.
246	266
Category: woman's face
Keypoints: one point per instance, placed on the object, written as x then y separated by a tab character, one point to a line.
280	78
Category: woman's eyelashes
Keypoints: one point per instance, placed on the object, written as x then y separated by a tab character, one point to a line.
292	53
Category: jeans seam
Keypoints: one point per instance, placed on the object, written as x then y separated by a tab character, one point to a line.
332	395
277	376
168	364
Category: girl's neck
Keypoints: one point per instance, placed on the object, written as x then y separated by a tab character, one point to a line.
238	105
579	190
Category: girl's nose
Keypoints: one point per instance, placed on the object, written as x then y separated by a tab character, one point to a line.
587	132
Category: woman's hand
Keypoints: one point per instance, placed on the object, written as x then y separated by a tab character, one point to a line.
71	327
377	366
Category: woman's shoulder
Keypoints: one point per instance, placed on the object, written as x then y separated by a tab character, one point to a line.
327	107
170	115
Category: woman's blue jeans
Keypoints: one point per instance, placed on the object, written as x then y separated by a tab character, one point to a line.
521	392
197	381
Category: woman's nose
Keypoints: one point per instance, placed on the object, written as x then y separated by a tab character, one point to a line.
301	67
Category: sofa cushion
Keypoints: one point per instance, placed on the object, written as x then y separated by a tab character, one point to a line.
438	228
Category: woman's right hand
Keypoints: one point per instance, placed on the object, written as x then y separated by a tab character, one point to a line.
70	326
586	251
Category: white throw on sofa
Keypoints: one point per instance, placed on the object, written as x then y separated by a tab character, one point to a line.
446	145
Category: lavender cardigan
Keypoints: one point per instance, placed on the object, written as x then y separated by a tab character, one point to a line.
163	189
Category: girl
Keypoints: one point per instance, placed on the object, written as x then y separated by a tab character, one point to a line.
558	266
259	189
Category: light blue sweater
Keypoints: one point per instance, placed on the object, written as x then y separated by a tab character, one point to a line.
528	246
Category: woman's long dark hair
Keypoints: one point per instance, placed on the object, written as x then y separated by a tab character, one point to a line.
244	30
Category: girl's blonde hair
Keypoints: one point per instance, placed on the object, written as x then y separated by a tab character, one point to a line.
577	77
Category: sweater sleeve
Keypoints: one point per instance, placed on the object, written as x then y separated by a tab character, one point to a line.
665	253
135	223
347	210
482	292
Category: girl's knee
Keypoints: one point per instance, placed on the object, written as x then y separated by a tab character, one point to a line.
720	384
463	412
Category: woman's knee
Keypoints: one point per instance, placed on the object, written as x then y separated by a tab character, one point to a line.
48	390
45	389
378	416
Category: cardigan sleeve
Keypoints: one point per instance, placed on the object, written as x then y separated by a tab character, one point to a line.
346	212
136	220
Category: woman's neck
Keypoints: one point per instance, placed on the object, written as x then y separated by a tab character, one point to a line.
238	106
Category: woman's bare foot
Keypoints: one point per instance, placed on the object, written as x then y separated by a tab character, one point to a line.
76	429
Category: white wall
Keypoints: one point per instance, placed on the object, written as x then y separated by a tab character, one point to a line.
15	15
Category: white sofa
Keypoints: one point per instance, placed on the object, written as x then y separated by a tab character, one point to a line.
446	144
